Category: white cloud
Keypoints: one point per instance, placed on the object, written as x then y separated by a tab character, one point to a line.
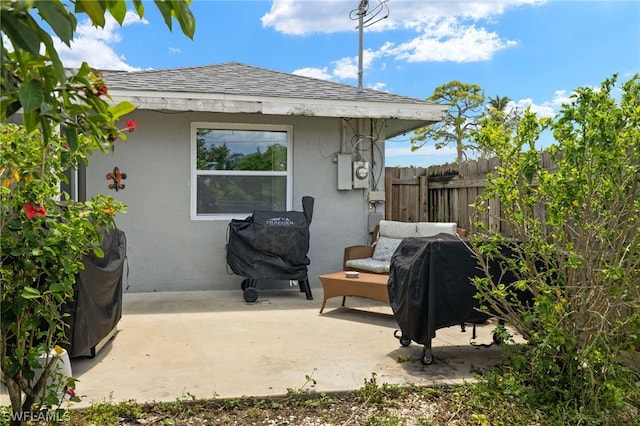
320	73
442	31
324	74
561	97
546	109
299	17
398	153
295	17
424	151
415	14
378	86
346	68
343	69
95	45
450	40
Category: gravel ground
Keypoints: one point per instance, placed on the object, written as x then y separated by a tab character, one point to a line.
369	406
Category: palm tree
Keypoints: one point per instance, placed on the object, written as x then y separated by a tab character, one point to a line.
497	106
499	103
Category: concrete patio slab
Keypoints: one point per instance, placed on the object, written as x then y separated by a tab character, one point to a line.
174	345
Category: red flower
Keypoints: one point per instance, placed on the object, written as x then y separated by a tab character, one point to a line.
32	211
71	392
101	89
131	125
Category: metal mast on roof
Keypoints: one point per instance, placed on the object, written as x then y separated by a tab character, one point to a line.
360	13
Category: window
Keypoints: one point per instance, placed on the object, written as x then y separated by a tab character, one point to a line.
237	169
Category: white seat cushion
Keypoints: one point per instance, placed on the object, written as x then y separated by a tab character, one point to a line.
369	264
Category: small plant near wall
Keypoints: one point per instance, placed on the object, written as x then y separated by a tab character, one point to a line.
574	230
44	236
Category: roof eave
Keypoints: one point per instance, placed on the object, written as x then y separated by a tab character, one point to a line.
234	104
395	128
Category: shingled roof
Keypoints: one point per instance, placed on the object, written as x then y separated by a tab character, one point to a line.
237	88
234	78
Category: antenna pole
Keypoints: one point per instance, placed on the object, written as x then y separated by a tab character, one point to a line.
361	11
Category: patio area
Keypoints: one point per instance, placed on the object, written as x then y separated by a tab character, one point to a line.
172	345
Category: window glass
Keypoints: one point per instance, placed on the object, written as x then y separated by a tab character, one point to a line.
241	150
239	170
241	194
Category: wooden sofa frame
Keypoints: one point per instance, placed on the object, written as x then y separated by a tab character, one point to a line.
360	251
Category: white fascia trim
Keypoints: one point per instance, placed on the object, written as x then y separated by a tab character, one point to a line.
204	102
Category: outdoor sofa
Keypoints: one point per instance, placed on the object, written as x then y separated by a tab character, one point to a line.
376	258
372	262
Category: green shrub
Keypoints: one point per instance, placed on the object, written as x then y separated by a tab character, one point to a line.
574	229
44	236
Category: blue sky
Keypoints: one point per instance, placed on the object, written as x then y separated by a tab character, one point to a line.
535	52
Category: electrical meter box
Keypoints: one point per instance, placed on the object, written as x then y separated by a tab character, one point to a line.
361	174
344	172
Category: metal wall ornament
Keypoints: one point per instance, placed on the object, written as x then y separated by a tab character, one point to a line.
117	177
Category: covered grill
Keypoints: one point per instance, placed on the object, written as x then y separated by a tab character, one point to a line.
430	288
93	314
271	246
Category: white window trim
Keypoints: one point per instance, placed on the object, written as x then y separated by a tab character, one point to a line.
237	126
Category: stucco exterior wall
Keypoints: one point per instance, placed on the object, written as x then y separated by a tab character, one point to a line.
167	251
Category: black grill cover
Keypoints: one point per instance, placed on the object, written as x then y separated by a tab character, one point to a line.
430	285
271	245
97	305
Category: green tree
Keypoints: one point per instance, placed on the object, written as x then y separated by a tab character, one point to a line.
44	233
465	105
497	121
34	81
216	158
273	159
498	104
575	236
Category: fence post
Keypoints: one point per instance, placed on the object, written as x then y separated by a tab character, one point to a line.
423	201
389	176
494	204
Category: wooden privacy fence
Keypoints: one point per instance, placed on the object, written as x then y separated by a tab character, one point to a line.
443	193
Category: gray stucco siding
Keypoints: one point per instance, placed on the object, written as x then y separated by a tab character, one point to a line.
167	251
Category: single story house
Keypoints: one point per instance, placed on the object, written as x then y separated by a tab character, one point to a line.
217	142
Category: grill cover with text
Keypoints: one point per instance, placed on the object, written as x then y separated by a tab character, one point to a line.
271	245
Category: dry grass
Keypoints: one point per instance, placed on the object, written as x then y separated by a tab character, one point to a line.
371	405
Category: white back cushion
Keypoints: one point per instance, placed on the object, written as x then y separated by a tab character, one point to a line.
429	229
392	229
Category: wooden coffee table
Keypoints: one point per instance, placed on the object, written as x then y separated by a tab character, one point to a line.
371	286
